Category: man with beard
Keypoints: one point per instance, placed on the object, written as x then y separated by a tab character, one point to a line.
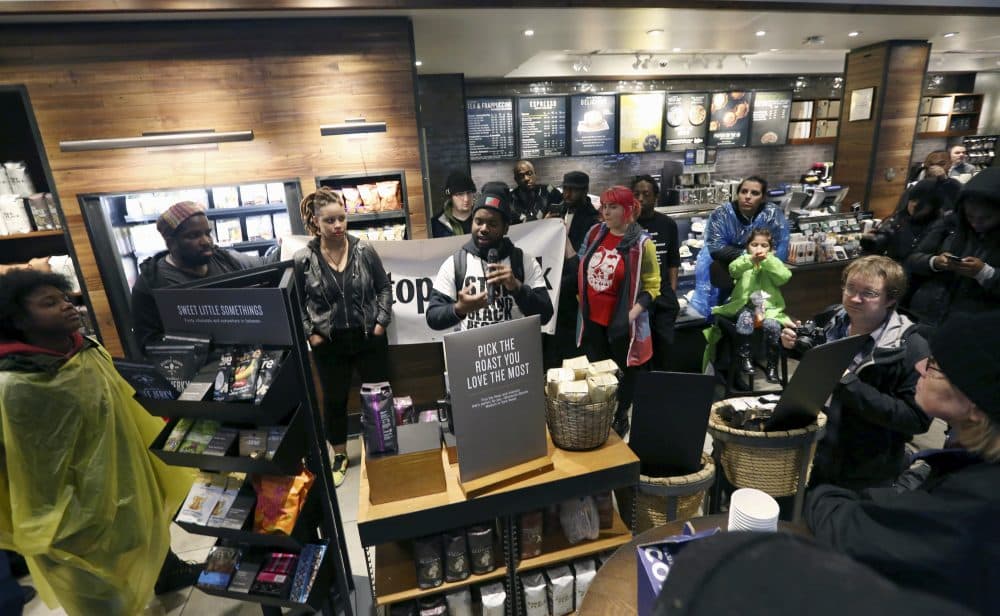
462	297
529	201
190	255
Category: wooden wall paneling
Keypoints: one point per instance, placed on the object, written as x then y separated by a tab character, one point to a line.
853	154
282	78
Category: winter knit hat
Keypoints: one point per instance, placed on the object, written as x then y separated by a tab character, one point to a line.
494	196
576	179
175	216
967	348
458	182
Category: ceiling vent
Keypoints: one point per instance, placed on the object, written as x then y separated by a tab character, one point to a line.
813	41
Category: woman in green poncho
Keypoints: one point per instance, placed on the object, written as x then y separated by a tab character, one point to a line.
755	302
81	497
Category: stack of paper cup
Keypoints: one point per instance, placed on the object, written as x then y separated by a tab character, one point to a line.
753	510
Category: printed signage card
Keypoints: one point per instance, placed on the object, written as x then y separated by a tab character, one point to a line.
497	396
228	316
641	122
729	125
543	126
592	124
490	123
686	120
771	112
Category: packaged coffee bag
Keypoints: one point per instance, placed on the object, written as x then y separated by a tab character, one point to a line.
535	598
494	599
456	556
459	603
430	568
481	549
584	572
378	420
559	590
531	534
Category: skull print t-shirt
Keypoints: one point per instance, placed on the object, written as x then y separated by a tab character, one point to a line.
605	275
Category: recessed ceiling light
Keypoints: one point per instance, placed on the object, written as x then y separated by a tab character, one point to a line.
529	33
854	33
950	34
761	32
775	49
676	49
654	32
418	63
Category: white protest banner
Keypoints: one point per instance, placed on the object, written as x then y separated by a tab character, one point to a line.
413	264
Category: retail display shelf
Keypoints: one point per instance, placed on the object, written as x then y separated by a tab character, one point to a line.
377	216
215	213
396	575
556	549
246	535
32	235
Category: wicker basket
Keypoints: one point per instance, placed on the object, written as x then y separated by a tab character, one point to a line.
768	461
579	427
667	499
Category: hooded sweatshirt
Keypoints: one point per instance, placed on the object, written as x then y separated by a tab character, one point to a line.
939	294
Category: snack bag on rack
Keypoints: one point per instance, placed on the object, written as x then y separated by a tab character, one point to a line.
579	519
280	499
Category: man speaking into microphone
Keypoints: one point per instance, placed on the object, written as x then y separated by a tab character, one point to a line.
488	280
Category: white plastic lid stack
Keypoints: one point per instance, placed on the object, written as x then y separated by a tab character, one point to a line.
753	510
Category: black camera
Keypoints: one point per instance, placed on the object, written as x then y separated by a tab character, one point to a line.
807	336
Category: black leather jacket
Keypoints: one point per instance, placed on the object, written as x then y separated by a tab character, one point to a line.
370	290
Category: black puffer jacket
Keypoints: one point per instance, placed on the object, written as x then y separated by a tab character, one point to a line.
939	294
370	290
873	411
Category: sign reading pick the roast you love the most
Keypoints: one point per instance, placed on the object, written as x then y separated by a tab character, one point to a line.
592	124
496	380
769	123
543	126
490	123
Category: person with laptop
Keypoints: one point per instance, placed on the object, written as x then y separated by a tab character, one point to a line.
936	529
872	411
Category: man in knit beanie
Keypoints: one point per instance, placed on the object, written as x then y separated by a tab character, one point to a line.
191	254
936	530
456	215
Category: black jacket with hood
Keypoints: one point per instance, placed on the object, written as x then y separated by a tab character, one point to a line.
156	273
939	294
873	410
369	289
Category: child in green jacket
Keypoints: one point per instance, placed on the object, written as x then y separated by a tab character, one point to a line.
755	303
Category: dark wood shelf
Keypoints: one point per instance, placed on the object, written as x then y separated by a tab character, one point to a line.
812	141
215	213
377	216
32	235
396	574
947	133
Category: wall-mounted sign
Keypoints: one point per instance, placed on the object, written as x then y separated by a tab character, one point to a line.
729	126
490	123
592	124
769	118
861	104
543	126
641	123
687	120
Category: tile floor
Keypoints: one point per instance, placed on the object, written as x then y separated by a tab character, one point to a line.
191	602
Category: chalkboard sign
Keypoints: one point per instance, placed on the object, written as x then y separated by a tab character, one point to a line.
641	123
543	126
592	124
490	123
769	119
687	120
729	125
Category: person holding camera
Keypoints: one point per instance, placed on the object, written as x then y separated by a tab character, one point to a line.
957	264
936	532
872	412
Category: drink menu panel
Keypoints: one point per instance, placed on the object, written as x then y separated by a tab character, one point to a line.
687	120
729	125
543	126
490	123
769	118
592	124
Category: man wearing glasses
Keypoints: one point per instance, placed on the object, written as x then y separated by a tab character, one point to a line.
530	201
872	412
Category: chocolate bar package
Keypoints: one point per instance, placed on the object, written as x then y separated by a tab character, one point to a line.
430	568
221	441
146	380
275	577
219	567
269	365
310	560
238	513
205	492
246	573
253	443
234	483
199	436
456	556
176	436
377	418
244	383
274	436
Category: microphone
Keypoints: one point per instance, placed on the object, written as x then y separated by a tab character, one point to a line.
491	289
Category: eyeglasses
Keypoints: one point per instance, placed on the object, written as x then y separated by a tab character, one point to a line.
866	294
933	370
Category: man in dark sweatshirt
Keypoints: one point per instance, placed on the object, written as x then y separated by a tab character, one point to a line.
191	254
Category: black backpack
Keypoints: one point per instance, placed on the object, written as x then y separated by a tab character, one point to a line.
460	261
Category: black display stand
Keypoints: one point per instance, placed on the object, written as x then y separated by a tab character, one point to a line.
360	221
291	401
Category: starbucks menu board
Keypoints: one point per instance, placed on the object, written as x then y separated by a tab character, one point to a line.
543	126
491	128
729	125
769	124
592	124
641	122
687	116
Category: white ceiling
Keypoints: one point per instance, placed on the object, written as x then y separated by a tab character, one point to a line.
489	43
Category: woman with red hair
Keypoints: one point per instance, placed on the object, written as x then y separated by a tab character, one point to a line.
617	279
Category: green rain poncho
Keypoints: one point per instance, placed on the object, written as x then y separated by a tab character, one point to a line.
81	496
